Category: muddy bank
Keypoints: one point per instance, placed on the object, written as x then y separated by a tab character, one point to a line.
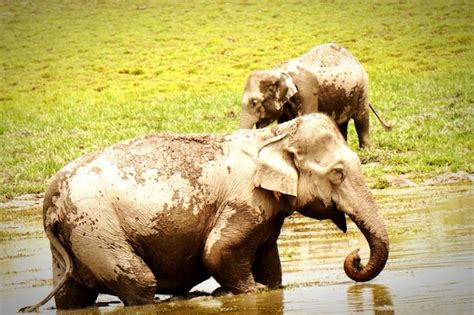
24	201
442	179
430	268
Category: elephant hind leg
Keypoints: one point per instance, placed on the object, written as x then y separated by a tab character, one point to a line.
128	277
361	119
116	266
72	294
362	128
134	284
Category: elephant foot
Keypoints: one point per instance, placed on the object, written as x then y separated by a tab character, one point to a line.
105	304
187	296
260	287
220	291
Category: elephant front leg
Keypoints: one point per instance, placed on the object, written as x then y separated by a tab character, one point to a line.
267	266
231	246
343	129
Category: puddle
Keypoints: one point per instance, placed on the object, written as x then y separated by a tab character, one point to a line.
430	268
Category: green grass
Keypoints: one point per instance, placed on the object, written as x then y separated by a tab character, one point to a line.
80	75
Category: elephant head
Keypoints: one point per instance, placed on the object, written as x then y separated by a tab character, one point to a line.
264	97
308	162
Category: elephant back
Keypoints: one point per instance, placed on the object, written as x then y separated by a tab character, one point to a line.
327	55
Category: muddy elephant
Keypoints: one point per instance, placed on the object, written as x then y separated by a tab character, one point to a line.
326	79
161	213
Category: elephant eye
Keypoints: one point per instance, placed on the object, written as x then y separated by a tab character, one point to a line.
254	103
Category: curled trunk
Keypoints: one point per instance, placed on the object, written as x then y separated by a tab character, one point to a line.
375	232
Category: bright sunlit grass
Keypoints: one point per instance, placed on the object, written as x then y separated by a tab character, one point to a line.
77	76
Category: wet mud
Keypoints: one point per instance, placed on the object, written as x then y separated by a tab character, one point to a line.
430	268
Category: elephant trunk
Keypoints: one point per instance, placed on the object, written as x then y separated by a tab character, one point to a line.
374	230
247	121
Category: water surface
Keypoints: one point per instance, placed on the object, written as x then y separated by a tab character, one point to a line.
430	268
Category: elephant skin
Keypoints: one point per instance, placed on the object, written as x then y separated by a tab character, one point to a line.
161	213
327	79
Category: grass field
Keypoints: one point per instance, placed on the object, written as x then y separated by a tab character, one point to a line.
76	76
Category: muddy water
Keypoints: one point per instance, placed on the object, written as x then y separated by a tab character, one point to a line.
430	268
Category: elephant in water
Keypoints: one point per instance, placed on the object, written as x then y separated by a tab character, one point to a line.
326	79
161	213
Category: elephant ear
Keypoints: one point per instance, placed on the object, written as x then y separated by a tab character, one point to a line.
276	170
287	87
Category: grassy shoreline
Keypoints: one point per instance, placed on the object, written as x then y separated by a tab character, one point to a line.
77	77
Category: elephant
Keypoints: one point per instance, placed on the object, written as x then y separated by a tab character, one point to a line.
161	213
327	79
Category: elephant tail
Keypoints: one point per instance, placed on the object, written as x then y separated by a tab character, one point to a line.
50	227
385	126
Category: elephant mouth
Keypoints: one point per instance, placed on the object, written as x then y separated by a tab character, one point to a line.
316	209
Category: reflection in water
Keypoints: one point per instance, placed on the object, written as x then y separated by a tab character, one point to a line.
268	302
381	299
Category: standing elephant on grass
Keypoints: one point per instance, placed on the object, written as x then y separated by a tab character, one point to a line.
160	214
327	79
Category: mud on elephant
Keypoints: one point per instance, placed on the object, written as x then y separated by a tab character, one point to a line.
161	213
326	79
